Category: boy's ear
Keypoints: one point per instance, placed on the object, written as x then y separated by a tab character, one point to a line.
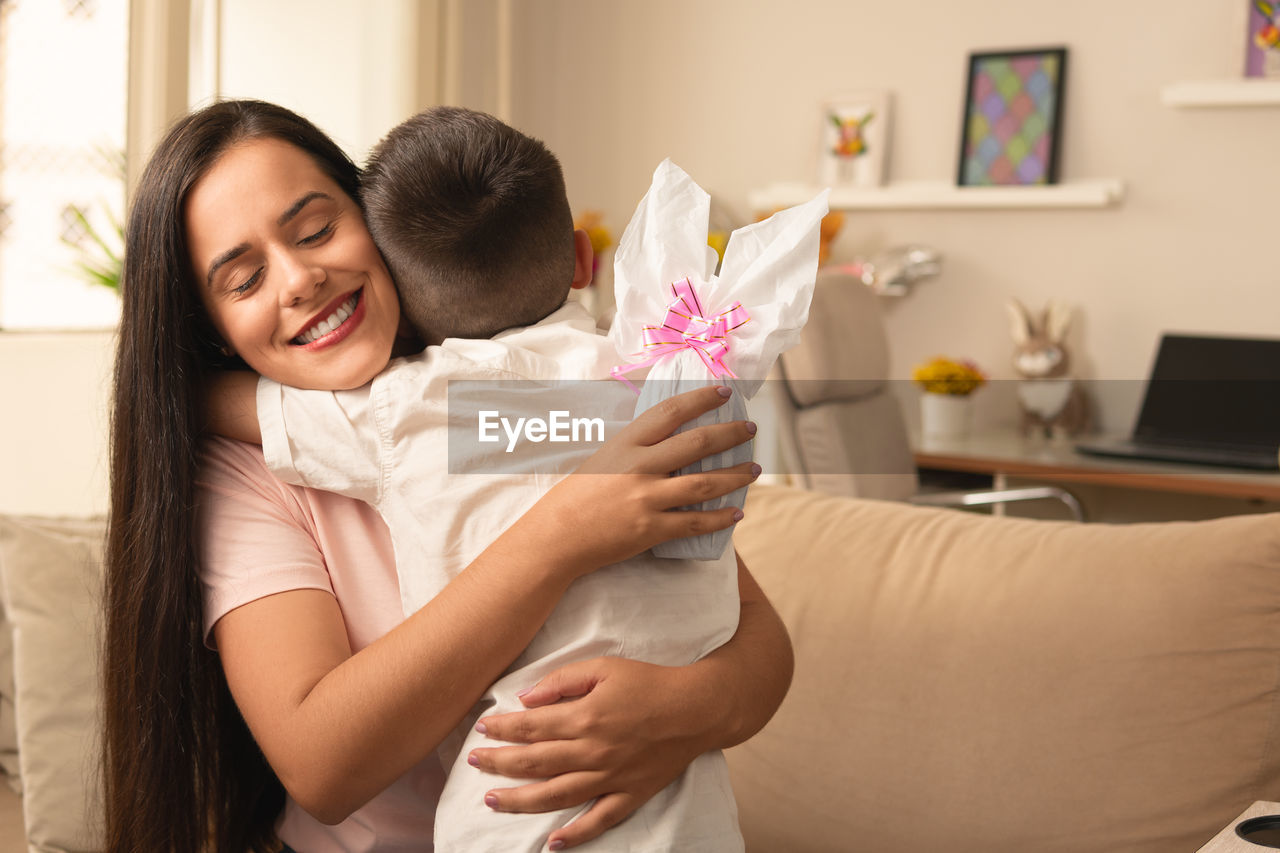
583	266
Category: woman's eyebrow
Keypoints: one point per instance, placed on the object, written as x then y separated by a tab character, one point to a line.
296	207
229	255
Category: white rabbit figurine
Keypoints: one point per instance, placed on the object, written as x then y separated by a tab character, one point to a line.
1052	402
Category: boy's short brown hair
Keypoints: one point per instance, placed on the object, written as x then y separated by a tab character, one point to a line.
473	220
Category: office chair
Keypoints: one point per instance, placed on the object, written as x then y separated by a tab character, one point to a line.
841	428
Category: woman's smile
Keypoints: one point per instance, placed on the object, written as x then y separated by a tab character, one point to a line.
334	323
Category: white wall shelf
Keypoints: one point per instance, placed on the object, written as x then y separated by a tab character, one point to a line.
1222	93
944	196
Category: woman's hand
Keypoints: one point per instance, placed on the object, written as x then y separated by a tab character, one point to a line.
632	728
627	488
625	737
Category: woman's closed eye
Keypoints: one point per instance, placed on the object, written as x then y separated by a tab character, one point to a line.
312	239
249	283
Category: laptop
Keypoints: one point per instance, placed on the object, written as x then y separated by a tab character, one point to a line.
1208	400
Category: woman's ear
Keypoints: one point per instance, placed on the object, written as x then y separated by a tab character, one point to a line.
583	266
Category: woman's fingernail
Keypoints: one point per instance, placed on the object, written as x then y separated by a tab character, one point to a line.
556	845
724	390
520	694
472	760
751	427
482	729
737	515
491	801
755	470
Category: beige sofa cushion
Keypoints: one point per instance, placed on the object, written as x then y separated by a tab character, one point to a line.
969	683
51	573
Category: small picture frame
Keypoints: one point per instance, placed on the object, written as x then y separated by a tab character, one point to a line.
1012	118
855	139
1262	39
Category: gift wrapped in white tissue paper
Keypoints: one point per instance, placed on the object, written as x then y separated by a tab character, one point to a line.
693	327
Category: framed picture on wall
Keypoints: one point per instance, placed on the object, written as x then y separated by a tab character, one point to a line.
1262	41
855	139
1012	118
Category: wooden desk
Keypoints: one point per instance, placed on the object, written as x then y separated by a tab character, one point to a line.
1003	453
1227	841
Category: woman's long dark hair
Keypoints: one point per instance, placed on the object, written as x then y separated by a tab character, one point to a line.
181	771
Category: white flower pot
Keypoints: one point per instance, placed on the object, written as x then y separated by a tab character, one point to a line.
945	415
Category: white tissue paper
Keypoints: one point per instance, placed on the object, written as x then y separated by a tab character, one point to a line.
768	271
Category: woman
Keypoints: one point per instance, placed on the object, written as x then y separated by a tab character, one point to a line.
351	714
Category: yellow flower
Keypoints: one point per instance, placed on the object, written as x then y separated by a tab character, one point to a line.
942	375
718	240
591	221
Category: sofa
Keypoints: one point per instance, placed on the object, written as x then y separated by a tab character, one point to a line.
963	682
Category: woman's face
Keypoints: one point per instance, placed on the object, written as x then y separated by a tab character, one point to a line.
287	270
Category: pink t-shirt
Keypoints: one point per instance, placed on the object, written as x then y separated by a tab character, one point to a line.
259	537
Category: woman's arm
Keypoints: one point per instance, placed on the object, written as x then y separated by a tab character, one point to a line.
637	726
339	727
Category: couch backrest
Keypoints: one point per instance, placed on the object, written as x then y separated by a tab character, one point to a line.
971	683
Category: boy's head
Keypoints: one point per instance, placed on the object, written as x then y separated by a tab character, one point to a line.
474	222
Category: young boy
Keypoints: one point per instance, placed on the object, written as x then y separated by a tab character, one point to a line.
474	223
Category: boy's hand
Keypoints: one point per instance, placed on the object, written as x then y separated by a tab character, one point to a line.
630	475
232	405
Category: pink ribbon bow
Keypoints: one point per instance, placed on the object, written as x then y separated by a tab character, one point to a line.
686	327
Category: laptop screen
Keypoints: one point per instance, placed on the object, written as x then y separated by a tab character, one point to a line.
1213	391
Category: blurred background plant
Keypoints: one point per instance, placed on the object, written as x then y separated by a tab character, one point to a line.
96	235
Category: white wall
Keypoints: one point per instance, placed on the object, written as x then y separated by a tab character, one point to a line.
730	90
53	432
354	68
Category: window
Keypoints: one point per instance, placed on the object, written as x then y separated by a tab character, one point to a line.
63	83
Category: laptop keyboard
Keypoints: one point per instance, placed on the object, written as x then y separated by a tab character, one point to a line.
1231	457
